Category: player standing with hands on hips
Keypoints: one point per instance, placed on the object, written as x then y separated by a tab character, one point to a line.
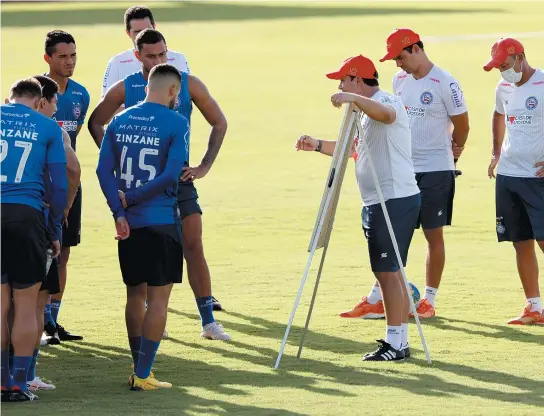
386	131
519	189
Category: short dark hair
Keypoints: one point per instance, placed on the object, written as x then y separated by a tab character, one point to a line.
148	37
49	87
409	48
164	69
29	88
138	12
371	82
53	38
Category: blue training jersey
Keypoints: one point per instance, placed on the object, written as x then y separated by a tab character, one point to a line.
143	152
30	142
72	109
135	93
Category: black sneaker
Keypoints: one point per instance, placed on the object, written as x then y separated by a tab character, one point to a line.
51	334
22	396
385	353
216	305
406	351
64	335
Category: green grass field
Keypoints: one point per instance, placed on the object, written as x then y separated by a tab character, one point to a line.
265	64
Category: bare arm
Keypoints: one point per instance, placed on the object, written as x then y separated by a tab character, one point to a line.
376	111
460	129
498	128
213	115
105	110
73	171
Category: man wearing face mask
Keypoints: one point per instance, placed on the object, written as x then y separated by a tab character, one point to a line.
519	189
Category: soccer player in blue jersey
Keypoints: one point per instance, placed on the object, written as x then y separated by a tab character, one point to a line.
152	50
72	105
141	158
30	143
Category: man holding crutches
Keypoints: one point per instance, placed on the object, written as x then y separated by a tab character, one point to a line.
384	144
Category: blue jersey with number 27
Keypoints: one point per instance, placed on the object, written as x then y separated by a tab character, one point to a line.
142	154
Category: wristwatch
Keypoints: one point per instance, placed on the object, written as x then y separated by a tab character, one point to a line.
319	145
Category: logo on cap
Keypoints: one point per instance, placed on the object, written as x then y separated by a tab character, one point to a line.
405	40
353	71
426	98
494	49
531	103
511	49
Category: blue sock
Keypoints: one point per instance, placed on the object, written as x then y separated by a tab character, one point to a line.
20	371
55	306
47	316
148	350
6	377
32	369
134	343
205	309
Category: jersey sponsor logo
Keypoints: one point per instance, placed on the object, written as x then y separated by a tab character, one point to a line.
456	94
137	85
505	84
538	83
402	76
68	125
415	111
105	80
141	118
77	93
77	110
435	80
126	61
520	120
15	114
426	98
531	103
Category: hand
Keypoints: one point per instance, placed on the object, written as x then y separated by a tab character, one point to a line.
491	168
65	217
122	199
190	174
55	246
341	98
540	172
457	150
306	143
123	229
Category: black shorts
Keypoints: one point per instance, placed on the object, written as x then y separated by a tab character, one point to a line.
437	193
403	213
152	255
520	208
71	235
188	199
24	245
52	280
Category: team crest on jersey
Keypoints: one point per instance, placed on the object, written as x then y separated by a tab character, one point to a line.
176	104
426	98
531	103
77	110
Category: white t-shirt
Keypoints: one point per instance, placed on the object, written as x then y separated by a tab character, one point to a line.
122	65
523	106
390	149
430	102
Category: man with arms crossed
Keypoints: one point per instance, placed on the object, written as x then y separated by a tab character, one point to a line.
519	189
438	122
152	50
386	131
146	168
73	102
31	143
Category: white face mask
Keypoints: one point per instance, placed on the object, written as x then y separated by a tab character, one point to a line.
510	75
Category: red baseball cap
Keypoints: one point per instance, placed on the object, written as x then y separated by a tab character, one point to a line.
356	66
397	41
501	50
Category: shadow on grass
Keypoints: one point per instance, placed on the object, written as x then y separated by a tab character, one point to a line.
188	11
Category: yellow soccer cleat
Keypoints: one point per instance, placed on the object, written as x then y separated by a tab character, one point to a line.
149	383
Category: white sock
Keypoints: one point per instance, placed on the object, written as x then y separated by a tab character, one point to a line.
404	336
375	295
430	294
393	336
536	304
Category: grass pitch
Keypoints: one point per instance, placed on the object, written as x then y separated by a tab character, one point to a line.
265	64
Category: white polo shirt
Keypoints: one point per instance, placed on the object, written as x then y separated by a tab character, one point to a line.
126	63
390	149
430	102
523	107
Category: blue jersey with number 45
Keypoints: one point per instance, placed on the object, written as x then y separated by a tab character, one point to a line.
142	154
30	142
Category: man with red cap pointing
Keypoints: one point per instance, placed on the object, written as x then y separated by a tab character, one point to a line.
386	131
439	126
519	188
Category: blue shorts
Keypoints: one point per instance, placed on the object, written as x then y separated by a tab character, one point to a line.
520	208
188	199
403	213
437	192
